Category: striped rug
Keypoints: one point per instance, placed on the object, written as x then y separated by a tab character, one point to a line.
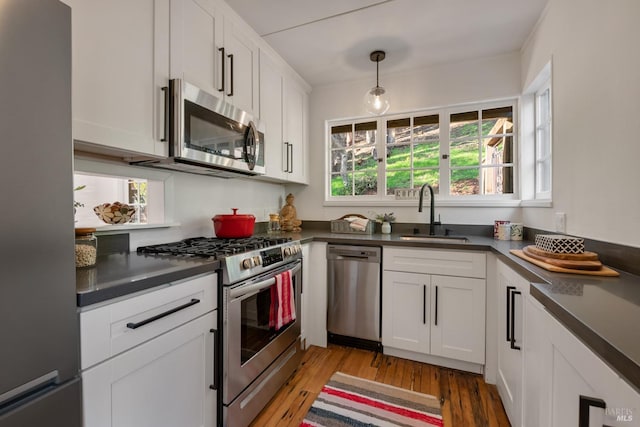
352	401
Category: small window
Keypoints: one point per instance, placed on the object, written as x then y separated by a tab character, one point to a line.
543	142
146	195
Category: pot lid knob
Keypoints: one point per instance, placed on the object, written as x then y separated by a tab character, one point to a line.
235	211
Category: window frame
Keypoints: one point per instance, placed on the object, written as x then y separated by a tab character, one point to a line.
510	199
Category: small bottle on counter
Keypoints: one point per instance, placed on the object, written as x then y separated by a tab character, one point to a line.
86	247
274	223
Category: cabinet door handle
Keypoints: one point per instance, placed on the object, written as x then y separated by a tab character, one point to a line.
132	325
436	308
165	127
291	164
513	319
230	56
222	56
214	386
585	403
509	288
286	167
424	304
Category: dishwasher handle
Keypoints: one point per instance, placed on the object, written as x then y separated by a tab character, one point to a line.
355	253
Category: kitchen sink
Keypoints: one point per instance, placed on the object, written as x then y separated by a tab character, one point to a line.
434	239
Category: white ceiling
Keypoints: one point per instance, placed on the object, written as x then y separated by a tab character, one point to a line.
328	41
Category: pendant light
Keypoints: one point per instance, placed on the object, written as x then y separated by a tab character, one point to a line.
375	100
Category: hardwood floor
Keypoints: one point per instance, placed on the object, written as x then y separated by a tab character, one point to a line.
467	400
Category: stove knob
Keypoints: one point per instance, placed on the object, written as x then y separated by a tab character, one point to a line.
257	260
287	251
247	263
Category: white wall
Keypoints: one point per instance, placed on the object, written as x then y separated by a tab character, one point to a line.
192	200
593	45
448	84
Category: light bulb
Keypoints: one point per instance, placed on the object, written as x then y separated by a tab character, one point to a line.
376	101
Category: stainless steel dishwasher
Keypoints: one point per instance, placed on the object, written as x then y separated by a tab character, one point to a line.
354	296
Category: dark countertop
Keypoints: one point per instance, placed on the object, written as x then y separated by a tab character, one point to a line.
122	274
601	311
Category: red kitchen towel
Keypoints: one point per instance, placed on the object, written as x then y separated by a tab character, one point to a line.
286	304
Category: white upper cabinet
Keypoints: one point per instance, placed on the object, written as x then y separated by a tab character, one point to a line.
284	114
271	116
194	53
214	53
125	52
240	67
295	118
120	63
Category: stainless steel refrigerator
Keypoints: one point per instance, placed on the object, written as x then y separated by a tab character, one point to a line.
39	338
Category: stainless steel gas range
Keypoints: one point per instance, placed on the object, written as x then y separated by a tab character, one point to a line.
260	289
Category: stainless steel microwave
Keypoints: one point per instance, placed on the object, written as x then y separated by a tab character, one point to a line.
209	136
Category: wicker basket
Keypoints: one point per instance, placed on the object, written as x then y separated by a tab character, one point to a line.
341	225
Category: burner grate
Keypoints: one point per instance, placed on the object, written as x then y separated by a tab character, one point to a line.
207	247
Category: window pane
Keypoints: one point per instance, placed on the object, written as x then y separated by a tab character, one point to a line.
341	161
465	153
365	159
366	184
426	154
398	157
398	144
341	139
340	185
497	121
498	180
497	150
543	177
398	180
465	181
464	125
426	144
427	176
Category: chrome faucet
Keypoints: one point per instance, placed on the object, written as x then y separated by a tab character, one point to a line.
432	210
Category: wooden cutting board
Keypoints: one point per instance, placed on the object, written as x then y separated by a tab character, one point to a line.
564	263
604	271
585	256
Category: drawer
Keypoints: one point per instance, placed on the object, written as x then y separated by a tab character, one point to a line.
431	261
111	329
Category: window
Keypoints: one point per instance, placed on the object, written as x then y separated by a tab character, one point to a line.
354	159
543	142
391	157
536	128
413	153
137	196
146	195
481	152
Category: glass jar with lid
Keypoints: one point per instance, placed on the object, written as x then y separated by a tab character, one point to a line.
86	247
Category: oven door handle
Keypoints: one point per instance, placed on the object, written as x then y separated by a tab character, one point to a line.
247	290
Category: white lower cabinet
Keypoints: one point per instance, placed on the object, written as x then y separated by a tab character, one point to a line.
434	314
512	291
545	383
314	294
163	375
162	383
580	378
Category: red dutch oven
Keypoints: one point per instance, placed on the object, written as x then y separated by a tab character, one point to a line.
233	226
